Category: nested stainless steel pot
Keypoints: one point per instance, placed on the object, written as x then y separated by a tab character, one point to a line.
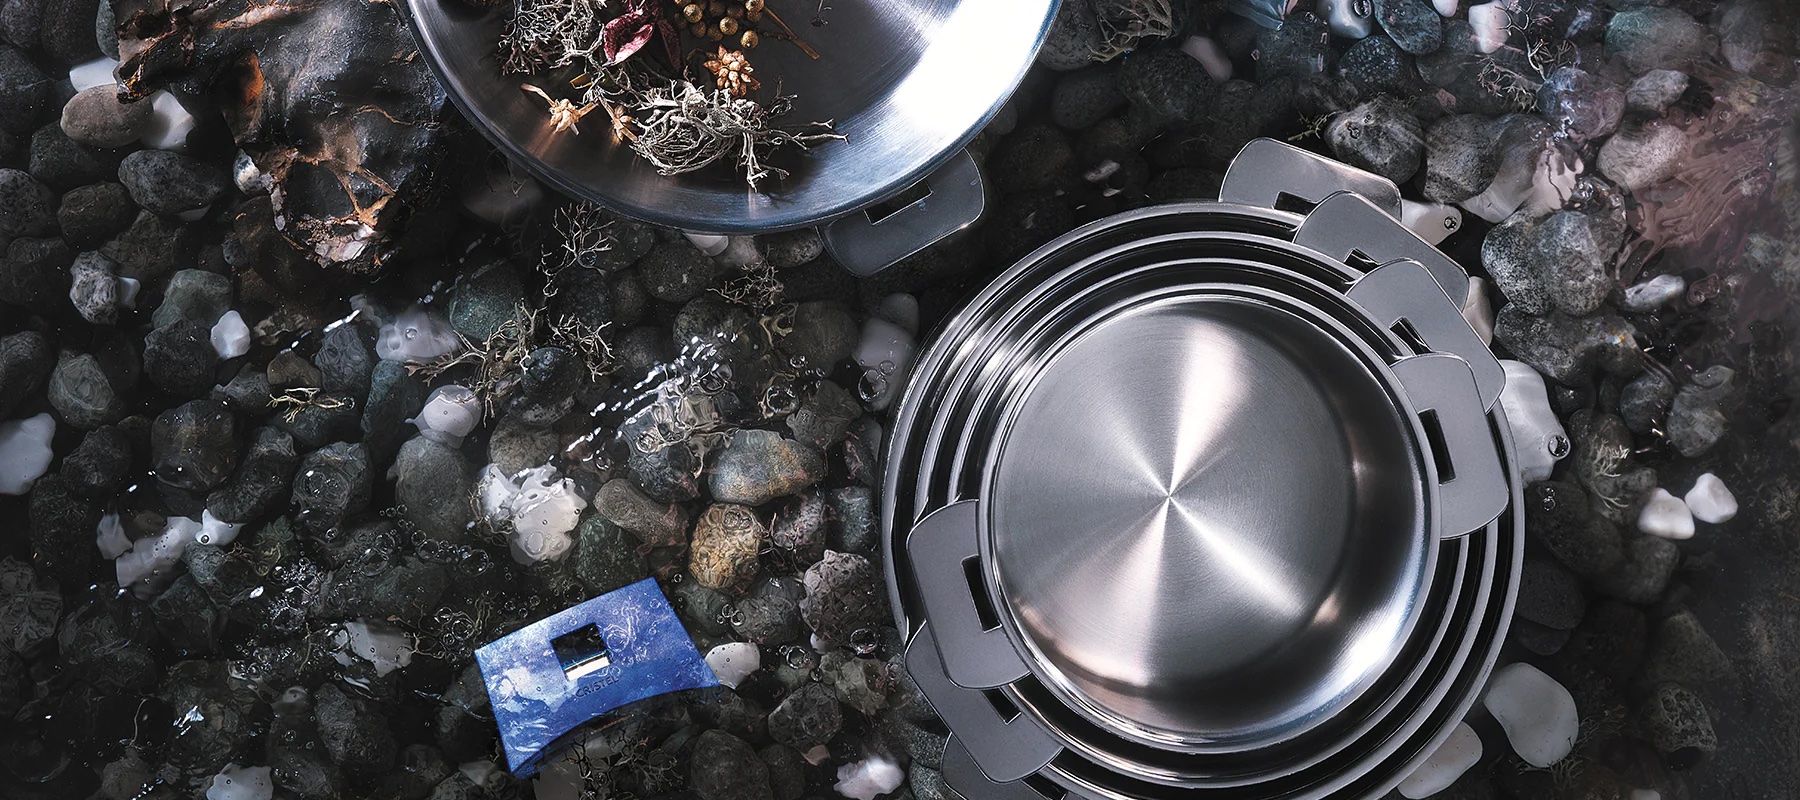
1209	499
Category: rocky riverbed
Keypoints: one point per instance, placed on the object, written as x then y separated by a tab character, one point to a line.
304	394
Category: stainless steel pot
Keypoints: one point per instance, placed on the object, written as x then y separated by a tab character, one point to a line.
907	82
1395	725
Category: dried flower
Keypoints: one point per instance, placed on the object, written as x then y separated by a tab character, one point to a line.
563	114
624	35
734	73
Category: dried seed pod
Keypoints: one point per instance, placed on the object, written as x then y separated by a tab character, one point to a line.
753	6
750	40
714	33
692	12
728	26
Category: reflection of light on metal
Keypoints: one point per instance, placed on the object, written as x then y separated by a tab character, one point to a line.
1262	575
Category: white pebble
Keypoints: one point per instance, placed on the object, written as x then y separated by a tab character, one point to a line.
241	783
1653	294
169	125
1710	501
1537	433
1478	310
1433	222
416	336
1212	57
886	355
215	531
1445	8
869	778
128	292
110	537
901	309
738	252
451	413
230	336
249	177
98	72
1536	712
539	504
1445	764
386	647
149	566
1491	22
732	662
710	244
1552	183
24	452
1667	516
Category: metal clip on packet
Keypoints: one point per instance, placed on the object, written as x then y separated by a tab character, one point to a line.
551	677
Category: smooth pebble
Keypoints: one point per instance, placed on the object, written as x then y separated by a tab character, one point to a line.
1445	764
1667	516
1710	501
1537	713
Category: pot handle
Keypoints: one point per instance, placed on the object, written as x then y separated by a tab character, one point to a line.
946	563
1346	225
1265	170
1472	485
865	243
999	749
965	777
1403	293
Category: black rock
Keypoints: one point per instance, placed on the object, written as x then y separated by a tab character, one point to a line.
1658	37
100	464
232	711
1696	418
808	717
30	608
790	249
333	481
179	358
1035	157
701	608
152	247
1567	349
27	208
484	299
394	397
33	272
1581	104
259	487
1683	652
1644	402
26	359
787	771
290	370
665	474
24	91
355	733
856	521
770	616
94	288
345	363
588	296
68	36
1414	24
825	416
824	334
187	618
89	215
1649	564
724	767
606	558
83	393
194	446
407	590
1540	639
1558	516
106	641
94	117
1375	65
514	445
421	768
1676	720
844	594
758	466
195	295
1169	85
676	272
247	392
62	164
167	182
1300	47
1509	254
1381	136
433	485
1462	155
1573	254
1550	595
327	418
551	377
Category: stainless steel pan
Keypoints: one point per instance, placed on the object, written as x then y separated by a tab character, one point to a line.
907	82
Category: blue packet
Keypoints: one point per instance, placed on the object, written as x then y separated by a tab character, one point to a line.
549	678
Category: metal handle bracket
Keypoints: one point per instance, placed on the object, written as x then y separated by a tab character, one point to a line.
865	245
1003	749
1403	291
1474	490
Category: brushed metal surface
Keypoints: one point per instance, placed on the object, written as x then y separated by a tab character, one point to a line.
1199	496
907	82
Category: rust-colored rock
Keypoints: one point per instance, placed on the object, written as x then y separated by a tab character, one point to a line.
727	540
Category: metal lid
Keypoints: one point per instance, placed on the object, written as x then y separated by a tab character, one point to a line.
1202	494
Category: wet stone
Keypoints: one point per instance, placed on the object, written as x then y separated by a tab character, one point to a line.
1696	418
167	182
676	272
346	365
856	522
724	767
1381	136
187	618
1651	37
26	359
1641	156
1654	91
1300	47
759	466
153	246
355	733
106	641
1644	574
95	117
83	394
825	416
229	705
1645	401
727	540
62	164
94	290
824	334
394	396
1580	103
484	299
1558	516
1567	349
800	527
194	446
89	215
1169	85
27	208
33	272
515	446
606	558
787	771
24	91
844	594
332	482
99	465
770	616
433	485
1375	64
655	524
808	717
1574	252
179	358
1414	24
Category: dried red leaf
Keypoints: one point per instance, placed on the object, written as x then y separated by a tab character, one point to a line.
624	35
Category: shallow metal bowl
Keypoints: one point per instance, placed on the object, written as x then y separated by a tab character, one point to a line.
907	82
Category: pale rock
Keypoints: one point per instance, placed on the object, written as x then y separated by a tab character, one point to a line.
1667	516
230	336
1217	64
1492	23
869	778
885	354
1445	764
900	309
1446	8
215	531
450	413
1552	183
110	538
1537	713
1710	501
24	452
1646	296
98	72
416	336
249	177
1478	310
541	507
732	662
170	123
386	647
739	252
149	566
1537	433
1433	222
128	292
241	783
710	244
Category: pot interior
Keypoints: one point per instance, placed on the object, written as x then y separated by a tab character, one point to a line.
1207	521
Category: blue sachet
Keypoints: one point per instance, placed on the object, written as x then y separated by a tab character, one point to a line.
549	678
